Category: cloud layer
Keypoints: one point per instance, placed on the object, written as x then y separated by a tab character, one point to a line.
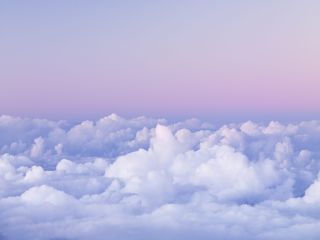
144	178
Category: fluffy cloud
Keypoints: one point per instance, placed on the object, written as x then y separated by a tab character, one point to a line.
142	178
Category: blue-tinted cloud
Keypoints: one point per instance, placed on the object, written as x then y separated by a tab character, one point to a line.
145	178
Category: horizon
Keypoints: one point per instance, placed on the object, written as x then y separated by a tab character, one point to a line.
216	120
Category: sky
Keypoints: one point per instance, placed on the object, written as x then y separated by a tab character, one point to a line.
79	59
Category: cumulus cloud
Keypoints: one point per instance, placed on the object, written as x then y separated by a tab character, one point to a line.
143	178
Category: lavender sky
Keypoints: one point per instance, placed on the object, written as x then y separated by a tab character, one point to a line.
74	59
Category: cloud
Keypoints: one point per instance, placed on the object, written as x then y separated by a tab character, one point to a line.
147	178
37	147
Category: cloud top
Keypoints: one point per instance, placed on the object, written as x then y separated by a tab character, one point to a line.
147	178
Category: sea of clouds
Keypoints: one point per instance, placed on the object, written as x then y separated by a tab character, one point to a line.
149	179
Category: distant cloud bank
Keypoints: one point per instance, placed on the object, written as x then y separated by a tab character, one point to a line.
143	178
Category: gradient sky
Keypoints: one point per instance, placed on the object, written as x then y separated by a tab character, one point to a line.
70	59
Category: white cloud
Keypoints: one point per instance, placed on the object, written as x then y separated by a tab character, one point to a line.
45	194
146	178
37	147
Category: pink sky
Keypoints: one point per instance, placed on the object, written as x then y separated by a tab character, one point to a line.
77	58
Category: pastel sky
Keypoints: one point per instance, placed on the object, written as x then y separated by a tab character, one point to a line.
70	59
